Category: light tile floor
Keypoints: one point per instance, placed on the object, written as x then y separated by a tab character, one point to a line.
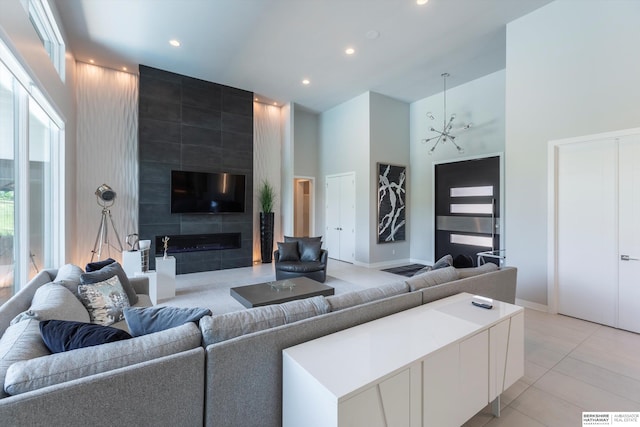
571	365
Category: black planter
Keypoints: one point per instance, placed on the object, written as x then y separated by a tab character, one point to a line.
266	236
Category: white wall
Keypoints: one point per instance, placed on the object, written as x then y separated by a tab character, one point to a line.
344	147
18	33
306	143
306	158
267	165
572	69
288	155
481	102
107	153
353	137
389	143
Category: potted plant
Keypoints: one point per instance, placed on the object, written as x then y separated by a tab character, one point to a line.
266	197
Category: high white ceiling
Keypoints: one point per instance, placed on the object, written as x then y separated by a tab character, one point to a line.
270	46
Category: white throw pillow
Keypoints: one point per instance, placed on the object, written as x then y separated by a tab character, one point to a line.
20	342
432	278
475	271
69	277
54	301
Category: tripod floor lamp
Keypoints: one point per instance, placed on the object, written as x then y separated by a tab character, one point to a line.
105	197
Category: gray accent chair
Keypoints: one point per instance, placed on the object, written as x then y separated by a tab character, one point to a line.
316	270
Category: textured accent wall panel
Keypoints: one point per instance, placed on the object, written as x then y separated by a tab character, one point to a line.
107	152
193	125
267	165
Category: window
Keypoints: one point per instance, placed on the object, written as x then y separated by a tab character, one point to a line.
47	29
40	189
31	219
7	178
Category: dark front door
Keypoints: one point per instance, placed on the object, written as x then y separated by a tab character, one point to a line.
467	196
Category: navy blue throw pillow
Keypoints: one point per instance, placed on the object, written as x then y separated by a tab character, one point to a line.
463	261
62	335
146	320
95	266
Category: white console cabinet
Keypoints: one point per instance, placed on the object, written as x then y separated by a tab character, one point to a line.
434	365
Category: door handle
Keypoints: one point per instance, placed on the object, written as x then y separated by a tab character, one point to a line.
628	258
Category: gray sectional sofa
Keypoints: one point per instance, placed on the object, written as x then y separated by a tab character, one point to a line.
156	379
227	372
244	374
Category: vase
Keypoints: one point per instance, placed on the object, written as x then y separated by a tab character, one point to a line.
266	236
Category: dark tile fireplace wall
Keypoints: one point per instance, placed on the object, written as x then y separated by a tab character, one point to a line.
195	125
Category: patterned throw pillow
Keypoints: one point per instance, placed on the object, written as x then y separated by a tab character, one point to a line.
104	301
107	272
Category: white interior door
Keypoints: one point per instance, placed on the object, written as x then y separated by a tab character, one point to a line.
332	218
348	218
587	234
598	230
629	217
340	217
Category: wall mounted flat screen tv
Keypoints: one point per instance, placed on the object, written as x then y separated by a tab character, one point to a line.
206	192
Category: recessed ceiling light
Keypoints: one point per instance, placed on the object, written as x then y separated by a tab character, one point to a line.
372	34
421	2
306	81
350	51
174	42
91	61
255	99
124	68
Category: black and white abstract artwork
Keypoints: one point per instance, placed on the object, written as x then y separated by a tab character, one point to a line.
391	203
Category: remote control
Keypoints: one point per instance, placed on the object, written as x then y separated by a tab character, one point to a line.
477	304
483	302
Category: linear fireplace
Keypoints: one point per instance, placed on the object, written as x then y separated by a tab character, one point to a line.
199	242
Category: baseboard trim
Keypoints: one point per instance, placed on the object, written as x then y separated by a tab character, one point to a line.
384	264
532	305
420	261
